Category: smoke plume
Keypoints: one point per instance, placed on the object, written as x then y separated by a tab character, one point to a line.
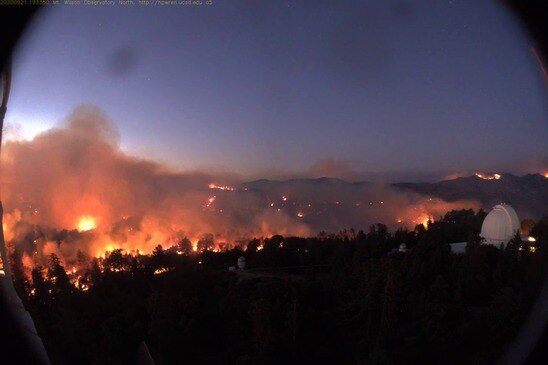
78	170
73	189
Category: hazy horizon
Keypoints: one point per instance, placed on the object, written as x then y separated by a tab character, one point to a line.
413	91
330	168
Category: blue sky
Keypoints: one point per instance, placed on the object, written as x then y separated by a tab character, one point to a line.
268	89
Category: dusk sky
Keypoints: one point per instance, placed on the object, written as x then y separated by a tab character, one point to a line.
366	89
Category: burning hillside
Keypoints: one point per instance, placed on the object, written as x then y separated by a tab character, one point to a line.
73	189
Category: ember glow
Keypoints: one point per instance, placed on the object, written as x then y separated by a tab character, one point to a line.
210	201
487	177
161	270
78	281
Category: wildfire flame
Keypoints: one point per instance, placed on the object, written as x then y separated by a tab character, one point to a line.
487	177
422	219
161	270
221	187
86	223
210	201
426	220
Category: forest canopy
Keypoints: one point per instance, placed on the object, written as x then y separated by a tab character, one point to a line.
350	297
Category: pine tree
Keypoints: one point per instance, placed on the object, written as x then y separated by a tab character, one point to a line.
20	280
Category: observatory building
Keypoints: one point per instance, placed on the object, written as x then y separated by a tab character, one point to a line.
500	225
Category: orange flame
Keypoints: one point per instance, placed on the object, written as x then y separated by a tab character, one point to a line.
86	223
221	187
488	177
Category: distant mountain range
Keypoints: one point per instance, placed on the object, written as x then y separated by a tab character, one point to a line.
331	202
528	194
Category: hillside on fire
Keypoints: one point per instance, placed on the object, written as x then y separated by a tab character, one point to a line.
351	297
74	189
109	251
273	182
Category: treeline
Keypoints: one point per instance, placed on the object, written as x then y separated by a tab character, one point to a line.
350	298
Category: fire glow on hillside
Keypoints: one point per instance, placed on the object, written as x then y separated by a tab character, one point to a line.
86	223
92	197
221	187
488	177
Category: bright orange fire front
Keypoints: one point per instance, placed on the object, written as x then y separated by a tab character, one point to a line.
86	223
426	220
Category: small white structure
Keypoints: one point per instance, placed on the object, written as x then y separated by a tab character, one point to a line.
232	268
403	248
500	225
241	263
458	248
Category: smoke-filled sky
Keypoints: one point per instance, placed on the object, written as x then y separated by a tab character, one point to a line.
402	90
76	177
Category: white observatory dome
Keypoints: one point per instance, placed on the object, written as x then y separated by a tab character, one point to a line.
500	225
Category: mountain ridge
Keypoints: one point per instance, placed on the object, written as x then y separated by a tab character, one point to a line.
528	193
